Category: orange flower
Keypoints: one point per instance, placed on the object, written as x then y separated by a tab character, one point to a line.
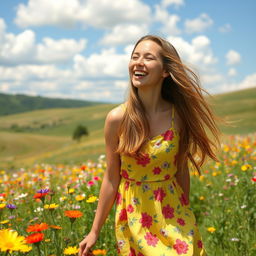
37	227
55	227
73	214
99	252
35	238
40	195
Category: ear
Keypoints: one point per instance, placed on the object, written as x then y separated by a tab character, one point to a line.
165	74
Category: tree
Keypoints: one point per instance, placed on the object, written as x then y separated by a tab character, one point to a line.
79	132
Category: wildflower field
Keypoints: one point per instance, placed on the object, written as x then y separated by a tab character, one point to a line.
47	209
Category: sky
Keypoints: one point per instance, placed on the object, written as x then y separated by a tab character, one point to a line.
80	49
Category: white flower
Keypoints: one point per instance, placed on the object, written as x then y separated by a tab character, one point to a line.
220	194
164	232
120	243
243	206
38	209
235	239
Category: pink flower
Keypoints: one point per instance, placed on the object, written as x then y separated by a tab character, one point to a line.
168	212
96	178
181	247
146	220
130	208
157	170
118	198
143	160
199	244
123	215
151	239
168	135
183	199
167	177
132	252
181	221
90	183
159	194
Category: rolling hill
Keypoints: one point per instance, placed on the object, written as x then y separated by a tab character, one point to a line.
11	104
46	135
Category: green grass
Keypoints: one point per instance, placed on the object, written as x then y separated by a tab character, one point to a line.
46	134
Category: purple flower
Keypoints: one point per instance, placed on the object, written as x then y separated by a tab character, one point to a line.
11	206
46	190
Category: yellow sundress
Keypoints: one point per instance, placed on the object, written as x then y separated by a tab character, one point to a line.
153	216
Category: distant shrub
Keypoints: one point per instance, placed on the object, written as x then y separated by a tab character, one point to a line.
79	132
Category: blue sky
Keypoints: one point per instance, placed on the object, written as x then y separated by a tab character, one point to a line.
80	48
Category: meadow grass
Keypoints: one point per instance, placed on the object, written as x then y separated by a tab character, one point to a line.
222	198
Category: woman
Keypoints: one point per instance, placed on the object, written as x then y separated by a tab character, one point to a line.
149	141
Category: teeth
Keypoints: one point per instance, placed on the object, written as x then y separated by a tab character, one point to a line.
139	73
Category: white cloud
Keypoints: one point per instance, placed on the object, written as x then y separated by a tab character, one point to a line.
225	28
176	3
123	84
66	13
169	22
198	52
248	82
22	48
233	57
232	72
198	24
124	34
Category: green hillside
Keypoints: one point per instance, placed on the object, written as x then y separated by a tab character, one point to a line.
46	135
11	104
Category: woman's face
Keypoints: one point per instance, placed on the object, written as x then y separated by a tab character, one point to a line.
146	65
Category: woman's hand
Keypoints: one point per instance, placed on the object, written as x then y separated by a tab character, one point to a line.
86	244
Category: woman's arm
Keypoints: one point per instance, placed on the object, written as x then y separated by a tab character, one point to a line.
183	178
110	181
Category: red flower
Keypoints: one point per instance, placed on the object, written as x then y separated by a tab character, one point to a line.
37	227
168	135
168	212
181	221
143	160
118	198
132	252
254	178
183	199
34	238
125	174
151	239
126	185
181	247
123	215
146	220
130	208
199	244
40	195
140	254
159	194
157	170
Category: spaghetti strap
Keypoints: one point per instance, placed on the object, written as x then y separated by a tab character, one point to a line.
172	116
123	106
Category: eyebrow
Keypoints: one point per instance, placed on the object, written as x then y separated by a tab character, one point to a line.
146	54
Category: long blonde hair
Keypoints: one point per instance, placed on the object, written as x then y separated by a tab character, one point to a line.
181	88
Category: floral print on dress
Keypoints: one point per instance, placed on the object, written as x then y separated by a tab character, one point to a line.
153	215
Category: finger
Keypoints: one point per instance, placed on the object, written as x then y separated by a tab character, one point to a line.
86	252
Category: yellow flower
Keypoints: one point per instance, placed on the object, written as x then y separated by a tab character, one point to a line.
47	240
2	206
214	174
71	191
201	198
71	250
211	229
4	221
63	198
11	241
91	199
51	206
244	167
80	197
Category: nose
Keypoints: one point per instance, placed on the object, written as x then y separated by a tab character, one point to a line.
140	61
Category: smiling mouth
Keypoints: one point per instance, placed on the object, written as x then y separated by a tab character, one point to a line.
140	73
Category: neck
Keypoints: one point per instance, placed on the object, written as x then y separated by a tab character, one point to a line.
152	100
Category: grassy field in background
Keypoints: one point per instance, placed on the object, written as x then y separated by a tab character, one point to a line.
46	135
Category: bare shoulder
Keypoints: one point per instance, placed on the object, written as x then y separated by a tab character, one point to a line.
114	118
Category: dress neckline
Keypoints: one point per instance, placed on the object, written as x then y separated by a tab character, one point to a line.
161	135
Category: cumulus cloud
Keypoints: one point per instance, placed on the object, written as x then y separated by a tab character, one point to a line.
233	57
176	3
169	21
124	34
67	13
248	82
23	49
232	72
198	24
198	52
